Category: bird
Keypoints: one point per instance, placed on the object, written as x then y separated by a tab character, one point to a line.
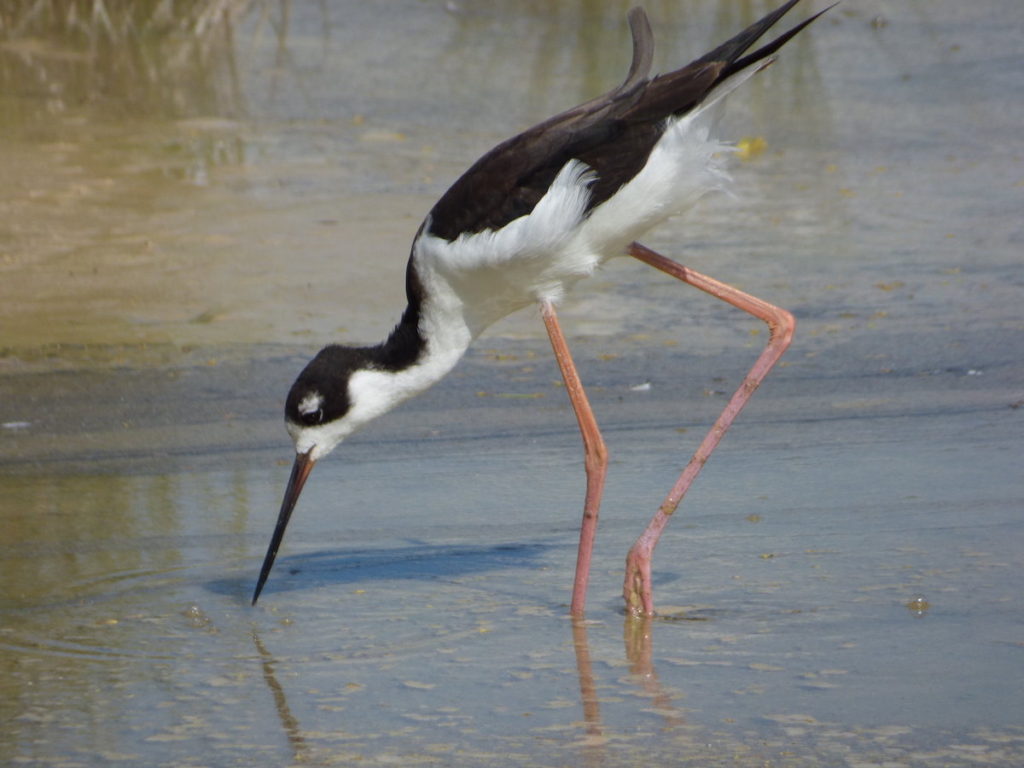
532	217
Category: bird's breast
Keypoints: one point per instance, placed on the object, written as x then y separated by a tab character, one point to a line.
535	257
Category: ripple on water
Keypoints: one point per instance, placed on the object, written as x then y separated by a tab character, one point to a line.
201	611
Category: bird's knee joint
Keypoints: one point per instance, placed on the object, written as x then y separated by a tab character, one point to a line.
597	456
782	326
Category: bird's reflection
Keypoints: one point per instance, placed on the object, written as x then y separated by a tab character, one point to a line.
638	641
289	723
638	637
593	744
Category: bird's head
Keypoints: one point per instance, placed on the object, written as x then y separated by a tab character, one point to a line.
321	409
336	393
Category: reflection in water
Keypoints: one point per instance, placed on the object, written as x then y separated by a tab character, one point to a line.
593	745
289	723
637	632
638	635
70	531
143	58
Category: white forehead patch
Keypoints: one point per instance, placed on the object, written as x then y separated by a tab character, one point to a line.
311	403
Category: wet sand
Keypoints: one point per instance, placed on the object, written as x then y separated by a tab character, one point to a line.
841	586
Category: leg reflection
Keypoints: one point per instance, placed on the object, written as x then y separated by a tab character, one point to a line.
638	637
594	741
639	644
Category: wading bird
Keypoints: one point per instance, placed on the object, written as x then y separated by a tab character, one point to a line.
528	220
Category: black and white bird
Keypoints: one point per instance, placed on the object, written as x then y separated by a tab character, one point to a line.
528	220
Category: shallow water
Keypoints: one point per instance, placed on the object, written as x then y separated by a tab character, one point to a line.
841	586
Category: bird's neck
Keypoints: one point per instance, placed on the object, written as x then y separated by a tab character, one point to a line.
427	343
405	346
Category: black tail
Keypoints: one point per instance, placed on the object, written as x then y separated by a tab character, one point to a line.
679	91
612	134
742	42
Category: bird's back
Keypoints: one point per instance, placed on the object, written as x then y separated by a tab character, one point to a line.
545	207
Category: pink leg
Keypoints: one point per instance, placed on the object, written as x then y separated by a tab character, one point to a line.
595	455
781	324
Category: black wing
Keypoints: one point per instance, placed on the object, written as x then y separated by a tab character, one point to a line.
613	134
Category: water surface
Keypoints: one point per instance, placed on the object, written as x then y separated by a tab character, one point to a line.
190	212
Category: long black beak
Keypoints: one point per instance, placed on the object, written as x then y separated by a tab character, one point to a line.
300	471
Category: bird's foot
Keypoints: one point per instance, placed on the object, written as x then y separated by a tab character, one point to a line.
636	588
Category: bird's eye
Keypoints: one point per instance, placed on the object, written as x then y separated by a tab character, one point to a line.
312	418
311	409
